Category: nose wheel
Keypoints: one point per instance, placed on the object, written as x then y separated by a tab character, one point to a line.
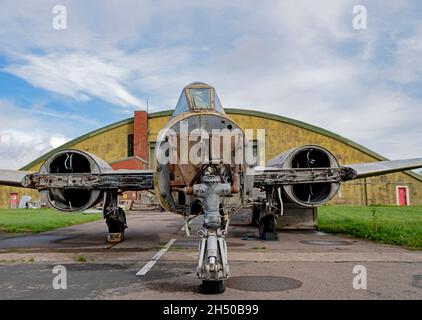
212	287
212	267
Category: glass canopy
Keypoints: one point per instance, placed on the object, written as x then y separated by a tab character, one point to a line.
196	97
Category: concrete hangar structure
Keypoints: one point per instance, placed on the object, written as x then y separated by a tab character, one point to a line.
129	144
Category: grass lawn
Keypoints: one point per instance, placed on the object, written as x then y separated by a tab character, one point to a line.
389	224
39	220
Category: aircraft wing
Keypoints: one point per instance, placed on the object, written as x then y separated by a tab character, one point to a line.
113	179
290	176
369	169
13	178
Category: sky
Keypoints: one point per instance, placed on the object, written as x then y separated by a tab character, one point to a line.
300	59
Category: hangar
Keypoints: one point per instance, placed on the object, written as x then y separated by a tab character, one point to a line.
129	144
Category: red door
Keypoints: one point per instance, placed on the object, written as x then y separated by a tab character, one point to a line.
402	196
13	200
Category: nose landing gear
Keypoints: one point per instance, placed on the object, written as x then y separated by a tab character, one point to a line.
213	266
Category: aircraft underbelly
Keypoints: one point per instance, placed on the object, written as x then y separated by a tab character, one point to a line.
175	180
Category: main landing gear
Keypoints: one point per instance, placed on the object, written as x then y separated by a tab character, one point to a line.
266	213
115	217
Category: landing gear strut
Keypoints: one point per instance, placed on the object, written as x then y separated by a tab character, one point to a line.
213	266
267	213
115	217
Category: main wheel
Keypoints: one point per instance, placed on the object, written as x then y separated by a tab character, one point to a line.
115	226
267	228
116	231
212	287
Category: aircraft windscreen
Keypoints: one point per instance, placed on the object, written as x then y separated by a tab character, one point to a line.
217	104
201	98
182	105
198	97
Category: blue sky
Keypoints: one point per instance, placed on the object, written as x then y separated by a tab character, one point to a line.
301	59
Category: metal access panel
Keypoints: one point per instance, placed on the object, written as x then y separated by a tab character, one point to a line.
242	218
296	217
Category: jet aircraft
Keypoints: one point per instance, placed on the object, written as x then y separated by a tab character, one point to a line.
203	165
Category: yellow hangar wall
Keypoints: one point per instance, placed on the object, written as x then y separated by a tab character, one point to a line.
110	144
283	134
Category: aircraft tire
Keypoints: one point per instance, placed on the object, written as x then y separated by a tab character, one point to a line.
115	226
267	228
212	287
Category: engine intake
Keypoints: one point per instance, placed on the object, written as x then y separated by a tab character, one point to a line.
309	156
68	162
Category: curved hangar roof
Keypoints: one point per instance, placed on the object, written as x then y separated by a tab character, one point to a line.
216	104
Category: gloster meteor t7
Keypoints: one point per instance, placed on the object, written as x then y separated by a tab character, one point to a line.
207	174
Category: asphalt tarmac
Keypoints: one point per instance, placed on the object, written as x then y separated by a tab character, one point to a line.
300	265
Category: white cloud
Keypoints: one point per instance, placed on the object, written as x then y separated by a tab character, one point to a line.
407	58
23	138
57	141
38	141
78	75
301	59
18	147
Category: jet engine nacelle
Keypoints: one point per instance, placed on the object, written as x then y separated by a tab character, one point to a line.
308	156
67	162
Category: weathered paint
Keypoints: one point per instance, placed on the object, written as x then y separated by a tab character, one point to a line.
110	144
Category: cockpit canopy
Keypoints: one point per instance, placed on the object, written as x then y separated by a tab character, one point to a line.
196	97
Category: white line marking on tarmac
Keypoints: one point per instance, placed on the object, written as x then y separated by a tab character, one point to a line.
155	258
